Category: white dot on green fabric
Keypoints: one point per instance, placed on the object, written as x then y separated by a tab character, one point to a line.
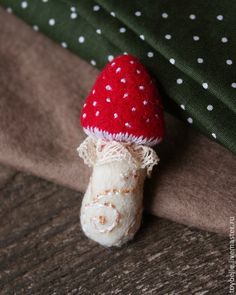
93	62
213	135
192	16
200	60
122	30
64	44
45	1
190	120
24	4
220	17
35	28
168	36
150	54
164	15
110	57
9	9
73	8
172	61
182	106
233	85
224	39
98	31
205	85
81	39
96	7
229	62
179	81
196	38
138	13
73	15
142	37
112	13
51	22
210	107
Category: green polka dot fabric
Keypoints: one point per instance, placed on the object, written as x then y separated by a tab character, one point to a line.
189	46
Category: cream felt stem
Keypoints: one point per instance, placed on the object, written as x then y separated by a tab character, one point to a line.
111	210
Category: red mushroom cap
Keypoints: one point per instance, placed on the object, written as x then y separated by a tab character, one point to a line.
124	104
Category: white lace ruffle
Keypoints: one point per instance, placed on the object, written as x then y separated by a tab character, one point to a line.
98	151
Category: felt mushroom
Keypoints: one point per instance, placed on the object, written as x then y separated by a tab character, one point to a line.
123	118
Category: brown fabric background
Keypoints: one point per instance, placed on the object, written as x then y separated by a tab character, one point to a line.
42	87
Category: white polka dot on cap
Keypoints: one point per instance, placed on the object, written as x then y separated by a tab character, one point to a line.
172	61
108	87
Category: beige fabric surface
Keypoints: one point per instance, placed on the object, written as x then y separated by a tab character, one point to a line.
42	87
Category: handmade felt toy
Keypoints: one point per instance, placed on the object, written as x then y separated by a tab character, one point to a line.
123	118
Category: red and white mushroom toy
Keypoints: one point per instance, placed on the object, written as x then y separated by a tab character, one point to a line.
123	118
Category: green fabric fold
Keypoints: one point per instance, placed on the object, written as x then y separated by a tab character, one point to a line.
188	46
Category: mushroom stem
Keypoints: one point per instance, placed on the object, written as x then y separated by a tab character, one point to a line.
112	206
